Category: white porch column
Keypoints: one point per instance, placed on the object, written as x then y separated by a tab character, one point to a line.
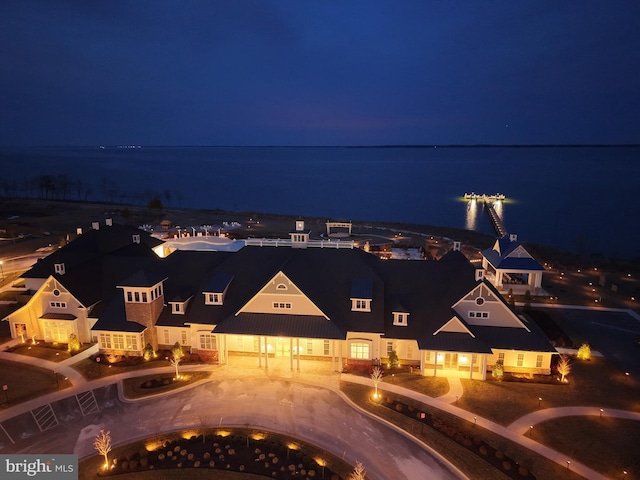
333	355
226	349
435	366
498	279
291	353
259	351
266	353
422	354
298	357
471	368
484	367
340	357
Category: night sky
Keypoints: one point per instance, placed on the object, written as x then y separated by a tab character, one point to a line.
319	72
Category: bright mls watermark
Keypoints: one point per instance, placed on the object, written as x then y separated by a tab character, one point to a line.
52	467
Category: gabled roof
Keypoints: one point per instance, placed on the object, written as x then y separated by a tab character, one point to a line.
509	254
297	326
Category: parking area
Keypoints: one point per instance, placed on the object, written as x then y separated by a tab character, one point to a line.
612	333
17	433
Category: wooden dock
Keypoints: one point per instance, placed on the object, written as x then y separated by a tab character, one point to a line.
495	219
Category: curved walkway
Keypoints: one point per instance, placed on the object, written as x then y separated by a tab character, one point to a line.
523	424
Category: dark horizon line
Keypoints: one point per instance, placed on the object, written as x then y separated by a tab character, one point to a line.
444	145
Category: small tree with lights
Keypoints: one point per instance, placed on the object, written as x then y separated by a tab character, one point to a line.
584	352
358	472
393	359
497	371
178	353
74	343
102	444
376	376
564	367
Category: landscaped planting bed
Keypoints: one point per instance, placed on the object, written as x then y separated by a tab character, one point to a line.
247	453
479	447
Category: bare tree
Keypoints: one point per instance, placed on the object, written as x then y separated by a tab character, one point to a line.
358	472
564	367
376	376
178	353
102	444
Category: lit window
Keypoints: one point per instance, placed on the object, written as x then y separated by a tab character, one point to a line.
327	347
520	359
309	347
105	340
118	341
360	350
183	334
539	361
389	347
132	342
501	357
207	342
166	337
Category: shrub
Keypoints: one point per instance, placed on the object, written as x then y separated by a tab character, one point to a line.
144	462
523	471
183	452
124	465
133	464
482	450
584	352
399	407
499	454
498	370
161	457
506	465
212	464
190	456
196	464
207	455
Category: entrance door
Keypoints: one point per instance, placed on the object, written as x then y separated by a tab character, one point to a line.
282	347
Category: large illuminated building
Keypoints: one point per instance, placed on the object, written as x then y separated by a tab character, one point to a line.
303	301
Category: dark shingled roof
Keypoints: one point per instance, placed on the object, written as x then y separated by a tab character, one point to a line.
218	283
275	325
454	342
499	258
361	288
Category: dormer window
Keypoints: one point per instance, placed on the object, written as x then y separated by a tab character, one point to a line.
136	238
59	268
400	319
360	305
177	308
213	299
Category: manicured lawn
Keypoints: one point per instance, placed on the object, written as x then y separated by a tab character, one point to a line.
135	387
50	353
25	382
608	445
432	386
591	383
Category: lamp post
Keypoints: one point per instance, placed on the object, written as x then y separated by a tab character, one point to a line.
6	393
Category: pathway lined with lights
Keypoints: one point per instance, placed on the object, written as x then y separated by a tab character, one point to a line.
524	424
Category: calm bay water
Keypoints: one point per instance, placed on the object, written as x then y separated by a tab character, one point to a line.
577	198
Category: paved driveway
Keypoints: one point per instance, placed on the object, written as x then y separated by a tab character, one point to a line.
313	413
612	333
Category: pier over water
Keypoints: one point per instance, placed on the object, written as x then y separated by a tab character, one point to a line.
489	201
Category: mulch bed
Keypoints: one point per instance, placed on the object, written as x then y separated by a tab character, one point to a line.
475	445
237	453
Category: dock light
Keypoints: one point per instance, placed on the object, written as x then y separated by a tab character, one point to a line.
475	420
601	411
530	430
539	401
568	464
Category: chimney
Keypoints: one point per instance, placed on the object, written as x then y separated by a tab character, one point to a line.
513	237
109	222
79	231
95	225
456	246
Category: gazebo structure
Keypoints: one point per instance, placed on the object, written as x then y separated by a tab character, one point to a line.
509	266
